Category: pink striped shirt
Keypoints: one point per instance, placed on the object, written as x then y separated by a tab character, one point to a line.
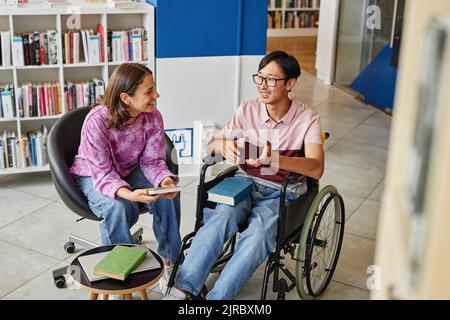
108	155
252	122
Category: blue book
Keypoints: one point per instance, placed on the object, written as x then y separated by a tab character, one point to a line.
230	191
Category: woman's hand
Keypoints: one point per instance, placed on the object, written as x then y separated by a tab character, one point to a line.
168	182
138	195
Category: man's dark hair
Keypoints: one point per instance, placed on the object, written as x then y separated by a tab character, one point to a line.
287	63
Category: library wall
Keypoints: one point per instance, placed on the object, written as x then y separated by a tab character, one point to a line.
206	53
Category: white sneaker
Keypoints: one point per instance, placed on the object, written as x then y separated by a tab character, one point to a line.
175	294
164	280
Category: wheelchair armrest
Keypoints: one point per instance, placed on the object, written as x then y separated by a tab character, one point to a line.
209	161
292	177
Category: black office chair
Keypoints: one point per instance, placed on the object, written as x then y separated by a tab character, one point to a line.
62	146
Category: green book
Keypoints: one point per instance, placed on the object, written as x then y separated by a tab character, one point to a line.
120	262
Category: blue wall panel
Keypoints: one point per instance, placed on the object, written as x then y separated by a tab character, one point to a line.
377	82
210	28
254	27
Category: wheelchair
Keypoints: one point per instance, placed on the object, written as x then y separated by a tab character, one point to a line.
310	230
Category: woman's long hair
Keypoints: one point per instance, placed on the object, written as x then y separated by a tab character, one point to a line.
125	79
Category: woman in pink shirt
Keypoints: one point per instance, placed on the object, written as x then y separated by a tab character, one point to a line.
121	153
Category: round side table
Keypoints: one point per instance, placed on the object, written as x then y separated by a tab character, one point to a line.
135	282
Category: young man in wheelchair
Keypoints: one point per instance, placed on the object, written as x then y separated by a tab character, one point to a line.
265	138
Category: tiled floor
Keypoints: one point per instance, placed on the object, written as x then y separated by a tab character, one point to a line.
34	223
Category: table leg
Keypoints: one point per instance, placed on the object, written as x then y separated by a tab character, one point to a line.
143	294
94	296
105	296
127	296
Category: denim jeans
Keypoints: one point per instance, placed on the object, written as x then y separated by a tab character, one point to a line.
260	211
120	215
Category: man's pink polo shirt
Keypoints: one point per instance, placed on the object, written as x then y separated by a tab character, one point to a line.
252	122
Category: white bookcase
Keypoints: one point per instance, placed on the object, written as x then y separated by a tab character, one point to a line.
285	9
39	17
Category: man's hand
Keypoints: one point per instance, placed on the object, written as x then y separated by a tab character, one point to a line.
168	182
264	159
230	149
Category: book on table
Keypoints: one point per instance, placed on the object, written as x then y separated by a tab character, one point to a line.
120	262
230	191
88	263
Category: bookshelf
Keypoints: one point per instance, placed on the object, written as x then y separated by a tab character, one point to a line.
39	17
293	18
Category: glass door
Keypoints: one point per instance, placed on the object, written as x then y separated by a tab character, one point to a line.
367	33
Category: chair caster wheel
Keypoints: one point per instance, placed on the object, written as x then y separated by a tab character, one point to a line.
60	282
69	247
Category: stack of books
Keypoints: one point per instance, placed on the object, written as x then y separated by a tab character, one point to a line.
118	263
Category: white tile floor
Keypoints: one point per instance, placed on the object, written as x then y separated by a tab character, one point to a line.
34	223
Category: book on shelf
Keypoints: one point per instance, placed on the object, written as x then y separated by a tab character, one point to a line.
101	32
123	4
88	263
302	4
13	3
275	4
6	48
94	48
120	262
55	3
7	101
230	191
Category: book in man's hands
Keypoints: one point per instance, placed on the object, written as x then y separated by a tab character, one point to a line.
88	263
230	191
120	262
161	190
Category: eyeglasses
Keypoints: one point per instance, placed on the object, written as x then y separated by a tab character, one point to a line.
270	82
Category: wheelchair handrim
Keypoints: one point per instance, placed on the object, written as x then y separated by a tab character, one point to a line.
310	221
328	265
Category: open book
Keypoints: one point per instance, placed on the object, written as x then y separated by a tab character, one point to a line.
89	262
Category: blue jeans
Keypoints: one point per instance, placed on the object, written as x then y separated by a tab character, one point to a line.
120	215
260	211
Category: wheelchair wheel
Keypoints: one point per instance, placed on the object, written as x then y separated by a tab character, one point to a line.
320	243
